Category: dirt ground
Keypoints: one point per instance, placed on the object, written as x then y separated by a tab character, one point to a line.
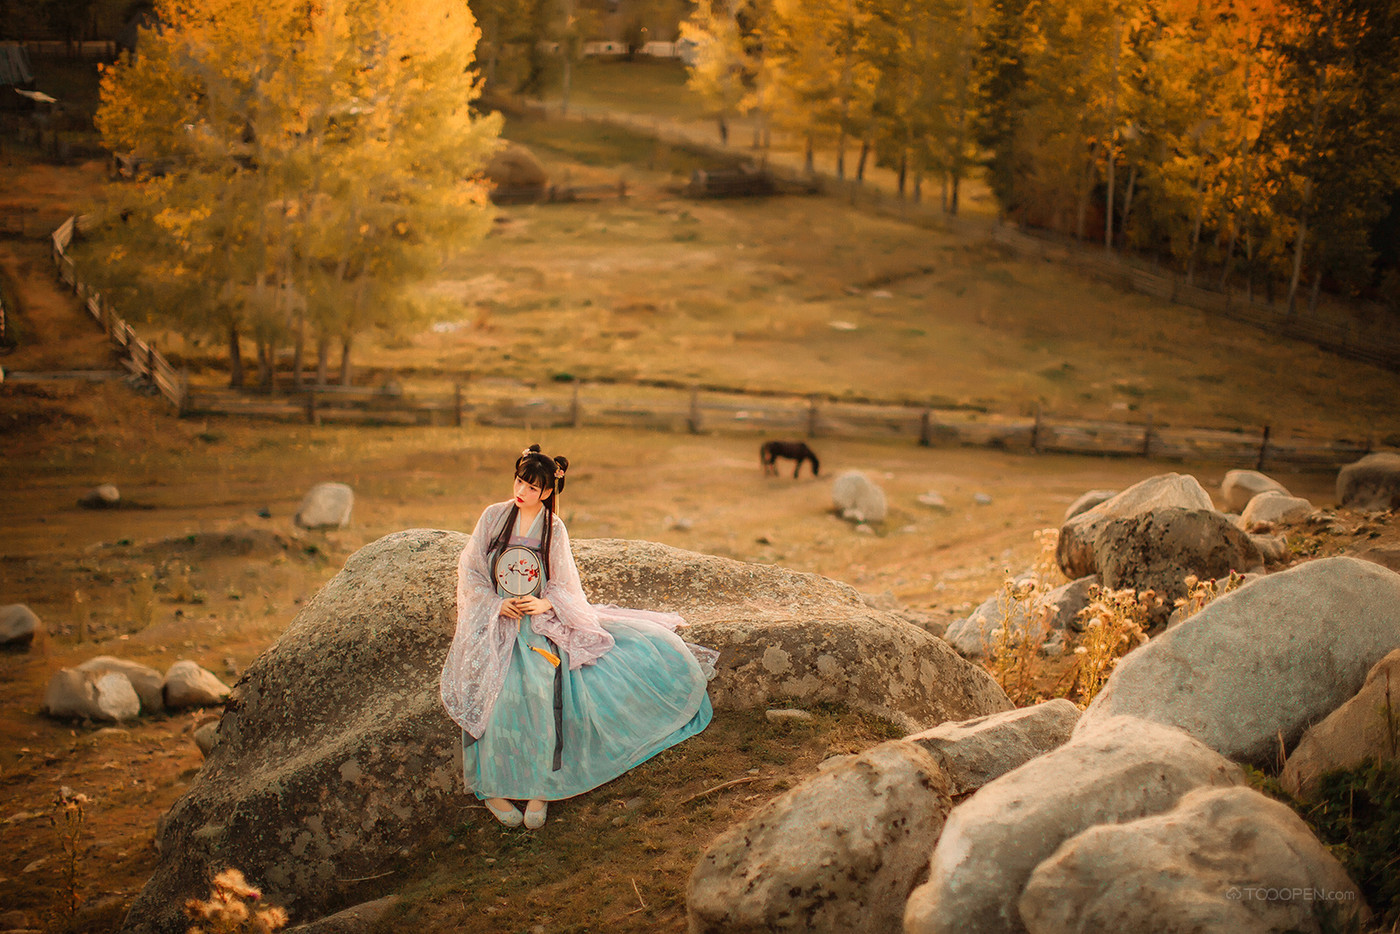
207	564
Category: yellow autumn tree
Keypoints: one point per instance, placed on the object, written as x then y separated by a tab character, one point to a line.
309	166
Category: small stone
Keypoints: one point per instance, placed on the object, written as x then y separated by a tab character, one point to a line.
982	499
933	500
188	685
206	736
788	715
864	529
633	803
18	626
105	496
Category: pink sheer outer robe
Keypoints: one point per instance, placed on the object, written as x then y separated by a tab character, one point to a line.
481	649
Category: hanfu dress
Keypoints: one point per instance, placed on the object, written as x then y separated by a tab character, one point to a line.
624	687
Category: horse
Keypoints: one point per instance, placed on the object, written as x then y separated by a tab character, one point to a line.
793	450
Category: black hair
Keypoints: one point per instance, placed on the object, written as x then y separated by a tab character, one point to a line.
546	473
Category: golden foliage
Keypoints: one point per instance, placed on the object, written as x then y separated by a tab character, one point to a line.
230	909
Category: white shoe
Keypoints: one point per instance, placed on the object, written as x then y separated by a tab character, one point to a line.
511	818
534	819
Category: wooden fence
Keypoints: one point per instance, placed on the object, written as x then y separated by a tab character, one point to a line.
507	403
141	357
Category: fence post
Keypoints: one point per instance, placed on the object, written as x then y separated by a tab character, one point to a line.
1147	438
575	411
812	416
695	425
1263	449
457	404
1035	430
311	417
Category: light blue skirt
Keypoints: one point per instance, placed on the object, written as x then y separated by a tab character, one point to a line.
645	695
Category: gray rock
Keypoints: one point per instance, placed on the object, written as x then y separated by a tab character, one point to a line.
788	639
145	680
838	853
991	843
1372	484
206	736
1270	509
365	918
1075	549
1218	861
1157	550
326	506
335	755
105	496
933	500
188	685
85	695
1053	610
116	698
1273	549
1263	661
1239	488
1088	501
18	626
1365	727
982	499
856	498
974	752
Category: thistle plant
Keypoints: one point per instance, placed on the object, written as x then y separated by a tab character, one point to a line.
67	815
1014	650
1201	592
1115	623
231	909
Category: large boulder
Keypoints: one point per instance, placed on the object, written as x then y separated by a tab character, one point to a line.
91	695
838	853
18	626
1258	665
326	506
991	843
516	175
790	639
857	498
1372	484
1365	727
145	680
1075	549
1224	859
1269	509
977	751
1158	550
335	762
1241	486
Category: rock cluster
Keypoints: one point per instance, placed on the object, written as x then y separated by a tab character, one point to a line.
115	689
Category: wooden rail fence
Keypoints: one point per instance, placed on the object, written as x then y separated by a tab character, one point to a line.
142	358
506	403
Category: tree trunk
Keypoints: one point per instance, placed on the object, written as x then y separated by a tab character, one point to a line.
723	130
1196	227
1127	201
1108	209
345	359
860	163
323	358
809	159
1298	245
841	156
1316	291
235	358
903	172
299	351
266	365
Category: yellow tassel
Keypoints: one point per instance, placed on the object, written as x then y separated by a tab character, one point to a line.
553	659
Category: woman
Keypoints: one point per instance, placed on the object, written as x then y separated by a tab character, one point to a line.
556	696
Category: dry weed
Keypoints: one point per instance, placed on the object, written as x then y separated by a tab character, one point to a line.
1014	653
67	816
1115	623
1199	592
229	909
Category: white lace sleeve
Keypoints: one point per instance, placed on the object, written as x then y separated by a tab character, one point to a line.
476	662
573	624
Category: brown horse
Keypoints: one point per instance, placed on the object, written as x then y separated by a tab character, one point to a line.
793	450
